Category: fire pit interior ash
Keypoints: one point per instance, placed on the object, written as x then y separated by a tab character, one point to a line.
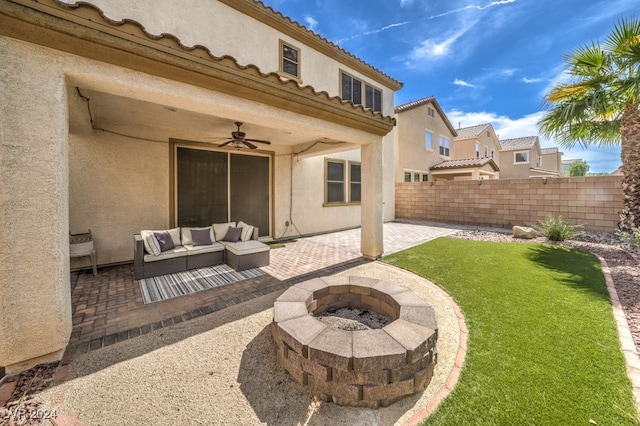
353	319
326	345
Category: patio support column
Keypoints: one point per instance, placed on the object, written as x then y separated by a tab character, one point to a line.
35	295
371	242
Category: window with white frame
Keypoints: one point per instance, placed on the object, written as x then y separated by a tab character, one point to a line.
493	154
520	157
486	151
444	145
477	149
343	180
289	60
351	90
431	112
416	176
428	140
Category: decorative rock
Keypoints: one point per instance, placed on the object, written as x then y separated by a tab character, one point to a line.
524	232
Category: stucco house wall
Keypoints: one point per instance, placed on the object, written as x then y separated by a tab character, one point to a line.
465	147
411	153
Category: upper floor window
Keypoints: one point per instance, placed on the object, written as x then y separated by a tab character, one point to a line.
352	88
431	112
493	154
445	146
428	140
521	157
289	60
477	149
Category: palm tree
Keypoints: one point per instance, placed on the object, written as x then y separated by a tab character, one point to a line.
600	106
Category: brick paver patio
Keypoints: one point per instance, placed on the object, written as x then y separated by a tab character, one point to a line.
108	308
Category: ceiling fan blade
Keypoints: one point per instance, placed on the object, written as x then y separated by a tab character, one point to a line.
258	141
249	144
226	143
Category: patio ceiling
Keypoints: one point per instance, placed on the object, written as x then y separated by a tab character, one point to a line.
140	119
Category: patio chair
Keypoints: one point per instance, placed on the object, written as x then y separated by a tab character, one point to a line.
81	245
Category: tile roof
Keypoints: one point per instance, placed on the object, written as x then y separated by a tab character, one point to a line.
552	150
424	101
472	131
463	163
518	143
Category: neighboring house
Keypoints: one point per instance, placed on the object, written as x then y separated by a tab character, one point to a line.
112	113
426	147
423	137
477	142
551	159
521	158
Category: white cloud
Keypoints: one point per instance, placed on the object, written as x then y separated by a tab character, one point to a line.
311	22
531	80
406	3
431	49
463	83
599	159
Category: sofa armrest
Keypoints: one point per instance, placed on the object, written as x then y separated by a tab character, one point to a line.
138	256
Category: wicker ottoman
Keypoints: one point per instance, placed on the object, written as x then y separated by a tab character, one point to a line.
247	254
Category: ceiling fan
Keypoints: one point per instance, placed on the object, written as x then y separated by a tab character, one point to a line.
239	141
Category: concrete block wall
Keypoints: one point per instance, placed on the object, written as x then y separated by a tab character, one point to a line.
594	202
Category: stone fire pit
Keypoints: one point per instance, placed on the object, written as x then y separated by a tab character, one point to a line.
364	368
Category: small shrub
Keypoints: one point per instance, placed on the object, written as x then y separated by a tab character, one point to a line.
554	228
636	234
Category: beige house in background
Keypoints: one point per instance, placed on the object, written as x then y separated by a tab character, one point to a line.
109	107
521	158
551	159
423	137
477	142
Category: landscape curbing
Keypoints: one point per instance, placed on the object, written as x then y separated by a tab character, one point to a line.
627	344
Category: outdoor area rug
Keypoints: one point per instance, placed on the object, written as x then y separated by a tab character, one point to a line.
167	286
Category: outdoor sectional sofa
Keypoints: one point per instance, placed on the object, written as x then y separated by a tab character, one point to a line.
180	249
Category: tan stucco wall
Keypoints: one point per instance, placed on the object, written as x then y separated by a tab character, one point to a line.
225	31
551	161
35	307
411	153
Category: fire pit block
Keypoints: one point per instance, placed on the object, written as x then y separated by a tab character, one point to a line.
363	368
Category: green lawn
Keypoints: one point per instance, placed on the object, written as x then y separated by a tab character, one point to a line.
543	346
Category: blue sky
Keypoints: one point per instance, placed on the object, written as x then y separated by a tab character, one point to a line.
485	61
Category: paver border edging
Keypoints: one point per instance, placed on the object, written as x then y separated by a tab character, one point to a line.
627	344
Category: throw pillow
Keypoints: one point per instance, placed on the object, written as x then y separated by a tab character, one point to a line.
201	237
151	245
220	229
247	231
233	235
164	240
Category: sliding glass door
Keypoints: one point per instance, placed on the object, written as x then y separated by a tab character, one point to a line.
215	187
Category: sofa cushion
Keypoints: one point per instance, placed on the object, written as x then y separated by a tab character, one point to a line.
246	247
187	239
169	254
175	236
192	250
220	229
201	237
247	231
233	235
150	242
